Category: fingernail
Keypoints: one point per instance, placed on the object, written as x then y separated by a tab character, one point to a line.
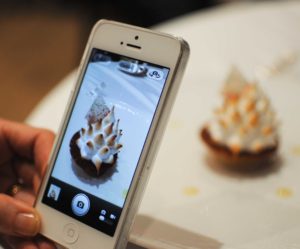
26	224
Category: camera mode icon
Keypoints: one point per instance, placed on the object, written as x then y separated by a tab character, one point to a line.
80	205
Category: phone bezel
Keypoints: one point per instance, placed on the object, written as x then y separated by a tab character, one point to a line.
108	36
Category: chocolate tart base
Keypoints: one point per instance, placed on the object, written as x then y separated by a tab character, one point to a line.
87	165
244	160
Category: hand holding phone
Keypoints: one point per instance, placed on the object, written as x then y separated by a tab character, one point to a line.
20	146
127	82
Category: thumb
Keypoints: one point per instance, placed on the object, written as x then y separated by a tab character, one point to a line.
17	218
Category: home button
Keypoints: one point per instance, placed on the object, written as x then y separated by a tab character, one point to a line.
70	233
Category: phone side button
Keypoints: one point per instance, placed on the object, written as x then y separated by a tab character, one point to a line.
70	233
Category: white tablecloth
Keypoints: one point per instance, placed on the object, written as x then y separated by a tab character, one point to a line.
186	204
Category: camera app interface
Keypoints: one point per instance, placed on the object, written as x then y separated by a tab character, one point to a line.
104	139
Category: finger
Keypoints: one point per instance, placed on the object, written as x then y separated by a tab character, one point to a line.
26	196
25	172
7	177
44	243
25	141
4	242
36	183
20	243
38	242
28	174
17	217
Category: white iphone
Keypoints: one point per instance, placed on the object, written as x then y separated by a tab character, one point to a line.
127	82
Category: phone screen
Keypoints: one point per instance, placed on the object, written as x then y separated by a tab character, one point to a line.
104	138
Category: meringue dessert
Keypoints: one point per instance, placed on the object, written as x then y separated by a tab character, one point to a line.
243	132
95	148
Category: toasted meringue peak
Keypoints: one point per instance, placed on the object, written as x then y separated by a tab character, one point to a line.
111	140
104	151
250	106
253	119
98	125
243	131
246	120
97	162
267	130
118	146
82	132
90	130
108	129
90	145
236	117
222	123
99	139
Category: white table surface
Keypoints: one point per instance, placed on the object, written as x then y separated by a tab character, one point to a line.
187	204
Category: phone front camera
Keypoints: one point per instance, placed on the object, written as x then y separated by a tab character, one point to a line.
121	43
136	37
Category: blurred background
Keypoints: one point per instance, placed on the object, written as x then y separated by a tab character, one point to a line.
42	41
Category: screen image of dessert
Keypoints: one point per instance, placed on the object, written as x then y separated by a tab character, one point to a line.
109	124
